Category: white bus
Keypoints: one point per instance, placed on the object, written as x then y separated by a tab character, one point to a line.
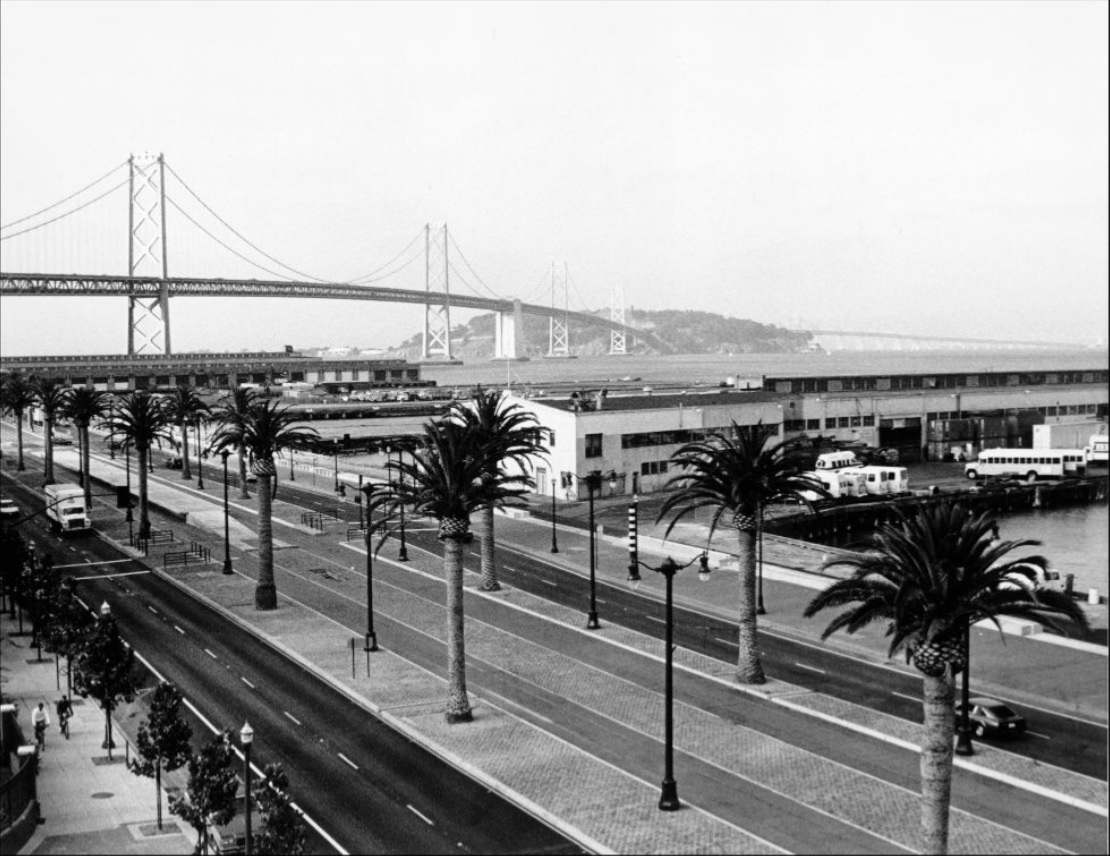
1031	464
1098	448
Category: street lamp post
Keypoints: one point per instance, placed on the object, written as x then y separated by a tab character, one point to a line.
963	729
759	608
200	458
335	452
371	636
224	453
593	481
403	551
358	500
246	735
554	536
668	798
109	744
292	476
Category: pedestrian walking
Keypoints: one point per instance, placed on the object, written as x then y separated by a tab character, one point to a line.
40	719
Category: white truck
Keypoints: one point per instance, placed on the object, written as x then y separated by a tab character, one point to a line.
66	509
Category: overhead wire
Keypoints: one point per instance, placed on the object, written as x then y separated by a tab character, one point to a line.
62	201
62	216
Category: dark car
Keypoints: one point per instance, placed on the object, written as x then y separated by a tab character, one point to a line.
992	718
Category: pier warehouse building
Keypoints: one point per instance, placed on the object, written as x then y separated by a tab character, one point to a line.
630	437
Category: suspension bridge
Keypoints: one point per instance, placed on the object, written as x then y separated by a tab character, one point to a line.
148	288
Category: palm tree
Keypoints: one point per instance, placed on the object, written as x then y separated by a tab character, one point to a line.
453	473
17	398
51	395
264	430
512	435
186	407
232	411
84	405
930	574
142	420
738	473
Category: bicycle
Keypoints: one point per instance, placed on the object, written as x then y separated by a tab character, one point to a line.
40	736
64	725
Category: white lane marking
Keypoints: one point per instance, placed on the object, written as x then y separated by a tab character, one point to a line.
903	695
811	668
152	609
348	761
288	714
179	630
599	600
549	582
719	639
88	562
423	817
248	683
653	618
210	654
1038	734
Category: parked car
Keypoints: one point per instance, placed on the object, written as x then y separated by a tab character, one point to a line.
991	718
8	509
231	837
174	463
62	439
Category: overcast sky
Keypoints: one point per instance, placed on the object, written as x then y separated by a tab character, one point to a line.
933	168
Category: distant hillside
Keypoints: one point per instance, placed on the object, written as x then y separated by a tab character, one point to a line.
687	332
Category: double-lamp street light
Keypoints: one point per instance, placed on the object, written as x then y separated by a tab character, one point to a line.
668	799
246	735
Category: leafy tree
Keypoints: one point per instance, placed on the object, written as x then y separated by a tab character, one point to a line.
930	574
41	584
262	432
51	394
17	397
513	436
67	625
736	473
231	414
84	406
210	796
449	476
14	556
185	407
163	741
142	420
103	670
283	831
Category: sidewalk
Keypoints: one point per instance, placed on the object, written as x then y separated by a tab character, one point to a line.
513	751
87	805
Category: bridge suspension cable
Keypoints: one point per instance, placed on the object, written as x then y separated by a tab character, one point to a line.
63	201
582	305
61	216
367	276
462	255
235	232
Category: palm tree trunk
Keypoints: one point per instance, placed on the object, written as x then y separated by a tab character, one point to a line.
489	557
186	471
243	494
19	440
265	592
936	761
749	669
144	499
458	704
48	437
84	434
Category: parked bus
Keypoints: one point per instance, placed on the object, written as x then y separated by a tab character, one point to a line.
1031	464
886	480
1098	448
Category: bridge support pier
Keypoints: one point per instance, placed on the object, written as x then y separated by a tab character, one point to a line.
508	334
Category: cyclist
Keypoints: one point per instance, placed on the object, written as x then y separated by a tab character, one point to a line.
64	710
40	719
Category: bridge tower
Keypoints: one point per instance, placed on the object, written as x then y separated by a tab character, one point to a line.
148	318
558	336
616	315
437	317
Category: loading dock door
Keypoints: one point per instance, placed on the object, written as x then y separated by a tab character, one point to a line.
905	435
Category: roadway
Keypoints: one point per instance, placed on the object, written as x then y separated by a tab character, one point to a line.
337	754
